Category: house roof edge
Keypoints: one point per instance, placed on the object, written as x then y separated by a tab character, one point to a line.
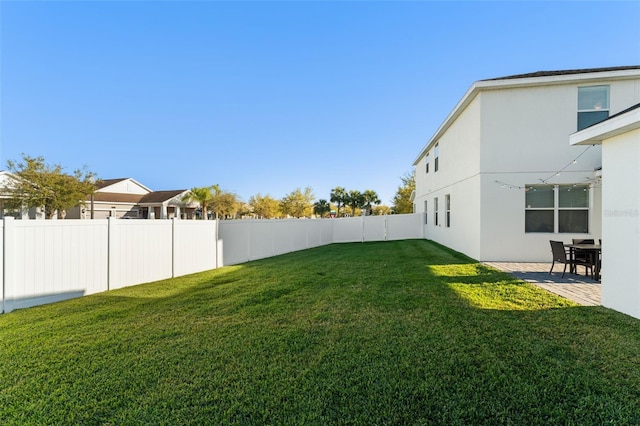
540	78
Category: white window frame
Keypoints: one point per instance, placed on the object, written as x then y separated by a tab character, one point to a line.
426	212
556	208
435	211
601	108
447	210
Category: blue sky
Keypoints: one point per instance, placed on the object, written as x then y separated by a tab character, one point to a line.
266	97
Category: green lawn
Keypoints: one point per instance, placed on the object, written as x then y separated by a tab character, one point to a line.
370	334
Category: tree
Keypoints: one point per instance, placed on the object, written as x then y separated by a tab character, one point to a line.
265	207
402	202
354	199
224	203
381	210
370	197
321	207
338	195
298	203
203	196
37	184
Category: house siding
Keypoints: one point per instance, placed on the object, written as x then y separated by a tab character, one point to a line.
621	226
503	138
458	176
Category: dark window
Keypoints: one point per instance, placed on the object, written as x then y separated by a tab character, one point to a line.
539	209
564	205
593	105
447	206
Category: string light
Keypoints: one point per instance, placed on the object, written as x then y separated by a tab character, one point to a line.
575	160
591	181
504	185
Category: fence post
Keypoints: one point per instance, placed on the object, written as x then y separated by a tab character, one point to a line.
110	247
173	247
7	234
217	251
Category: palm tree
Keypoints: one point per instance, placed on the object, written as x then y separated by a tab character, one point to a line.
354	200
321	207
370	197
338	196
202	195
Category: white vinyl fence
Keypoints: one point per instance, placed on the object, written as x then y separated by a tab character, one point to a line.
45	261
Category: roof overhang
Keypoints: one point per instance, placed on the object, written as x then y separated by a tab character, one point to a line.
614	126
512	83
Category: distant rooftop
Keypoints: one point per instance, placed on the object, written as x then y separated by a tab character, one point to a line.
564	72
103	183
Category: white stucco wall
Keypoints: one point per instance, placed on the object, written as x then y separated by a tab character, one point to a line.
502	139
524	140
621	223
458	176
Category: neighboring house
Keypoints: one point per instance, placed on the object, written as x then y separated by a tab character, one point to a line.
26	213
620	139
113	197
126	198
498	179
166	205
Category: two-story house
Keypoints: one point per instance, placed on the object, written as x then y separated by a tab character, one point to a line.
498	179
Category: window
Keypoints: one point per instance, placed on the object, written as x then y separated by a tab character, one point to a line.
557	208
436	154
447	208
427	162
426	212
435	211
573	208
539	208
593	105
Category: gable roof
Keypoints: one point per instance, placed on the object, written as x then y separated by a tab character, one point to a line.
564	72
538	78
160	196
102	185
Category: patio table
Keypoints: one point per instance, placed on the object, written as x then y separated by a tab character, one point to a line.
595	250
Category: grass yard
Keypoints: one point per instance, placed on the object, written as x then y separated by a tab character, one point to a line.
391	333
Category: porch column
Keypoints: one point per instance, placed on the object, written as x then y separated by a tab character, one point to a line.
163	211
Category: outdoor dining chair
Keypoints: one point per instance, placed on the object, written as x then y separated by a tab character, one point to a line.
561	255
585	256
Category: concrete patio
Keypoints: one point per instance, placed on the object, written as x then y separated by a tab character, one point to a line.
578	288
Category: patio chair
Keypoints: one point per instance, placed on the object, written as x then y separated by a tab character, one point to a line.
584	256
561	255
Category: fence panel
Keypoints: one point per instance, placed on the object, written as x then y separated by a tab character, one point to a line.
261	239
281	236
347	230
375	228
139	251
49	261
405	226
234	241
194	246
